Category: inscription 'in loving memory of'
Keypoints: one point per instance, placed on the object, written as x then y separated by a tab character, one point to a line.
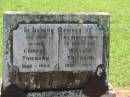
57	47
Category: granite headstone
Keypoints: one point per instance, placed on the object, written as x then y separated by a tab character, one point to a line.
56	54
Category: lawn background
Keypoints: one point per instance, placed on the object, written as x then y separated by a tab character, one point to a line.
120	28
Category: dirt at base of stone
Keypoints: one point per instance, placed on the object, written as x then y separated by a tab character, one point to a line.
123	92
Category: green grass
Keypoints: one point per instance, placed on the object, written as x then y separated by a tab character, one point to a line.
120	27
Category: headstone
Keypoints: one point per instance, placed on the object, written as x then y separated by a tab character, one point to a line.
55	54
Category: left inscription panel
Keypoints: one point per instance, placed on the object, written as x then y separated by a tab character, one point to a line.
35	48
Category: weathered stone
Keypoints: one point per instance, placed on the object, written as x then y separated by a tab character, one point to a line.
55	53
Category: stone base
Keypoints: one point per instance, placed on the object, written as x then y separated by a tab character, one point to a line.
110	93
71	93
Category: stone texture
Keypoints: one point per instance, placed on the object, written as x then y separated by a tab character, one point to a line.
57	47
57	77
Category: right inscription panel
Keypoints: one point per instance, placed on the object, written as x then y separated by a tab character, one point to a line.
80	47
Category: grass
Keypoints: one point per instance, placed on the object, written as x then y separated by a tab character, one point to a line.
120	27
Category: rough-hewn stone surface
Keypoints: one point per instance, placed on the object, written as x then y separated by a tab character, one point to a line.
89	36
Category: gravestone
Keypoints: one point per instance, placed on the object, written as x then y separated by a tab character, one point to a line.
56	54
